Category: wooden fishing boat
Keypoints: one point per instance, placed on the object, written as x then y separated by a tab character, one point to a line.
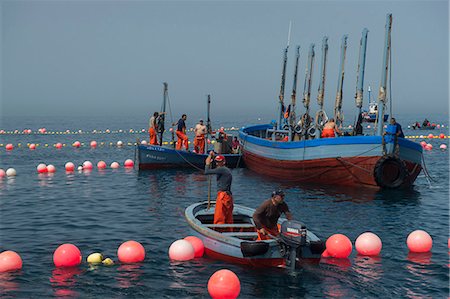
157	157
297	153
237	242
166	156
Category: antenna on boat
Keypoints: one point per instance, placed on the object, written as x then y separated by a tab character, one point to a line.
283	79
338	115
384	74
321	116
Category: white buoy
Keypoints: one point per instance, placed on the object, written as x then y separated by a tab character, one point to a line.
119	143
11	172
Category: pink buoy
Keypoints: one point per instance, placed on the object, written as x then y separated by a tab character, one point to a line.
87	165
32	146
181	250
2	173
339	246
419	241
442	135
171	130
67	255
58	145
430	135
224	284
70	166
93	144
9	147
143	142
131	252
115	165
51	168
42	168
443	147
429	147
76	144
368	127
10	261
101	165
199	248
423	144
368	244
128	163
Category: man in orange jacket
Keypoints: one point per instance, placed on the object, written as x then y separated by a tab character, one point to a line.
223	213
181	133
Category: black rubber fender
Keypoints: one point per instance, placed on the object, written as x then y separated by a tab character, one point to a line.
317	247
390	172
250	249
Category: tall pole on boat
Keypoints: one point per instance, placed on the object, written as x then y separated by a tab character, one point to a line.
294	91
384	74
338	116
361	68
208	120
308	78
321	116
162	115
283	79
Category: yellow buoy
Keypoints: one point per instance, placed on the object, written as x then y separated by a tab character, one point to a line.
95	258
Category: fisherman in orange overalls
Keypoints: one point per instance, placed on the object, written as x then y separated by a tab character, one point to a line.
267	215
329	129
223	213
181	133
152	126
199	141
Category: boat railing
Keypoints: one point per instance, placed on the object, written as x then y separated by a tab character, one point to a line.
272	133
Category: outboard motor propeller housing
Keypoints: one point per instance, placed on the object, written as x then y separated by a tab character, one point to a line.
292	235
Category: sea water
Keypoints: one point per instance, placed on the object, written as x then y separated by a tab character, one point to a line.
99	210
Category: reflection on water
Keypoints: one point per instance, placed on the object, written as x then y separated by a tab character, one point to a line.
129	275
369	268
63	281
7	283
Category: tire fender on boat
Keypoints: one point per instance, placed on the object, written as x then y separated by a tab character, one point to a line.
249	249
390	172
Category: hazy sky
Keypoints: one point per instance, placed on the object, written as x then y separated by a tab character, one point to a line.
111	57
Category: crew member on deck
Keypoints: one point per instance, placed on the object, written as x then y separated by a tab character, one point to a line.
398	128
223	213
267	215
152	127
181	134
199	141
330	129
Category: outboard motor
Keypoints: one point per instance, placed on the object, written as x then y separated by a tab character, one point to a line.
292	236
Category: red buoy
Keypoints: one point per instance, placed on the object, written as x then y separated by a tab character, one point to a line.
224	284
58	145
9	147
128	163
67	255
199	248
42	168
10	261
76	144
131	252
419	241
70	166
101	165
339	246
93	144
368	244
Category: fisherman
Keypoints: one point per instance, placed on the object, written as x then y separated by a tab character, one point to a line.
152	127
398	128
235	145
267	215
199	141
330	129
181	134
426	123
223	213
358	129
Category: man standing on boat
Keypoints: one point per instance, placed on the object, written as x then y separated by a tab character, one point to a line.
223	213
330	129
152	127
267	215
199	141
181	133
398	128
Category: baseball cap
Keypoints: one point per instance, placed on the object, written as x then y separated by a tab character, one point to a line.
220	158
278	192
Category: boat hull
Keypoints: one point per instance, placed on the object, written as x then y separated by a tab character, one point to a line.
343	161
159	157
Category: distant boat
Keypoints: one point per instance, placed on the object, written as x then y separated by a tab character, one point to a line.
237	242
372	113
159	156
287	154
425	126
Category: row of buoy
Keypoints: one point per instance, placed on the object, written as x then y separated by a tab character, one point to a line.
221	284
429	146
369	244
107	131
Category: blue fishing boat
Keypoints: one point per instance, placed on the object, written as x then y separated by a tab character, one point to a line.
166	156
237	242
372	114
295	152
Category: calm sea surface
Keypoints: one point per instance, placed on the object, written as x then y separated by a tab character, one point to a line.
97	211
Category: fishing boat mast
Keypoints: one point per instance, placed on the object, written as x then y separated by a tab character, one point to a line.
385	65
208	120
281	95
292	115
360	73
306	119
321	116
162	115
338	115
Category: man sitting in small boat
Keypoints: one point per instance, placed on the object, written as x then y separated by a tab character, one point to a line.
199	141
223	213
267	215
330	129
